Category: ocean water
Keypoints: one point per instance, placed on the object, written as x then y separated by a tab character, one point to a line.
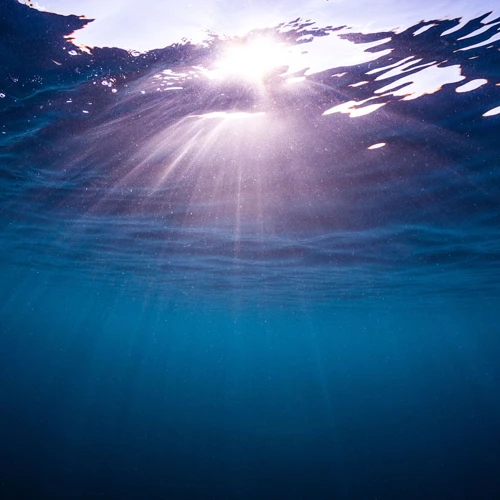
222	284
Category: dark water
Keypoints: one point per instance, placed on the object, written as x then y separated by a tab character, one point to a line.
218	291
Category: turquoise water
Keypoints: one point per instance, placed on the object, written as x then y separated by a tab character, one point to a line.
222	291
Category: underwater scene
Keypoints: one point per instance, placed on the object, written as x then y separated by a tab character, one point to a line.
250	251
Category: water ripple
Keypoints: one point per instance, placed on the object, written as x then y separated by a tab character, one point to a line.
374	177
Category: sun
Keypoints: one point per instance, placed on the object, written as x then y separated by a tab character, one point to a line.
251	60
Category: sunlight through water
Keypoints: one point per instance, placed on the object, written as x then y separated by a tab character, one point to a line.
251	59
249	160
250	250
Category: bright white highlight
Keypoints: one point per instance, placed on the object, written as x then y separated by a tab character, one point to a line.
355	109
472	85
493	112
252	60
427	81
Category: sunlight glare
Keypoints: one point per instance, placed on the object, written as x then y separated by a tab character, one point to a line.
252	60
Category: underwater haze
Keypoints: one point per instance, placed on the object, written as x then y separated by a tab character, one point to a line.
260	266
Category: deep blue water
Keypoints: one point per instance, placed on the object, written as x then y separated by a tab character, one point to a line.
218	291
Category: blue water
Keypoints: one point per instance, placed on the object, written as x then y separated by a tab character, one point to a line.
218	291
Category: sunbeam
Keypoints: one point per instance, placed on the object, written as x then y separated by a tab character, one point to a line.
260	265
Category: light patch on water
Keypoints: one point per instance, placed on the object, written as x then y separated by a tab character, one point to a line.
377	146
365	110
359	84
477	32
401	69
492	112
463	21
319	54
423	29
158	24
355	108
427	81
489	41
389	66
472	85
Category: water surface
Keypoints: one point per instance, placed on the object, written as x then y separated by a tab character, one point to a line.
223	280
